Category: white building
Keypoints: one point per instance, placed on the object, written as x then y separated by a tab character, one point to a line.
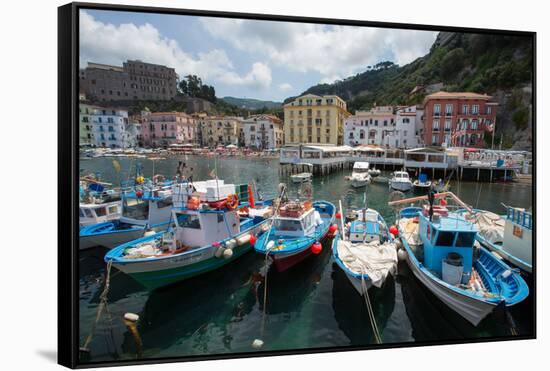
408	126
109	127
370	127
262	132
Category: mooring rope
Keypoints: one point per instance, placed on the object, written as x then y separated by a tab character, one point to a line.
102	305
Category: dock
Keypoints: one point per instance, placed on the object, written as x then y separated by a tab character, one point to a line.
438	162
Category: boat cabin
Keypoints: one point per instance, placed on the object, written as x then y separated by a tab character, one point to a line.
296	221
196	228
152	207
98	213
360	167
444	238
401	175
367	227
518	229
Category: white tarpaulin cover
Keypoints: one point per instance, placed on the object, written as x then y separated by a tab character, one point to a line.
491	225
409	229
373	258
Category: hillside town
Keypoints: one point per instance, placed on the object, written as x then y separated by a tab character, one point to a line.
457	119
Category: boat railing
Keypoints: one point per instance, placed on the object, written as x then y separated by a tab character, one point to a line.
521	217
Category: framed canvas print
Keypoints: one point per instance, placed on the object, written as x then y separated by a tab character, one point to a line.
241	185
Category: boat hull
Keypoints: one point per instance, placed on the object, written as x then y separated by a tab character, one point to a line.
358	183
109	240
284	262
157	274
356	283
473	310
401	186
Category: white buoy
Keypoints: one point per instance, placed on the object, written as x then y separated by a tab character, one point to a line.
132	317
219	252
149	232
228	253
402	254
257	344
270	245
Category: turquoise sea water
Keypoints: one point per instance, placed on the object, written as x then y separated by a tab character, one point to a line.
310	306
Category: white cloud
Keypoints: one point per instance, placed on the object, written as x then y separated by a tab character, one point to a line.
285	87
111	44
333	51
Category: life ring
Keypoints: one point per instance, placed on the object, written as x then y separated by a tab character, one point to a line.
193	203
232	202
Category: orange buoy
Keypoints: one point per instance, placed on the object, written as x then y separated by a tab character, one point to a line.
393	230
232	202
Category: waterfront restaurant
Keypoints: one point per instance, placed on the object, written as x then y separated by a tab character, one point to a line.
434	158
324	158
377	155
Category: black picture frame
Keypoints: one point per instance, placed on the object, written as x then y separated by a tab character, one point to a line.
68	170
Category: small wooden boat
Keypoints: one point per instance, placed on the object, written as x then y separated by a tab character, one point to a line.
294	231
441	254
202	240
360	175
510	236
422	184
367	252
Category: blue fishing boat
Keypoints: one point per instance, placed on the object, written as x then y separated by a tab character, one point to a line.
213	227
366	250
142	211
510	236
97	202
441	254
296	231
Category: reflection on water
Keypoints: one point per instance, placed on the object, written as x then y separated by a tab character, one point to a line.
311	305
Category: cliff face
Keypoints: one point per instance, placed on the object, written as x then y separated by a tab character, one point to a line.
498	65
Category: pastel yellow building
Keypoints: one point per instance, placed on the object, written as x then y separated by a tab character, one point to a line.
315	119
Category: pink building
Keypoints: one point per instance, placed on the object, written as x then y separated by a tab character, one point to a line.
160	129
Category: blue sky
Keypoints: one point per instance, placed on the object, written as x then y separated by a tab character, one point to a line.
245	58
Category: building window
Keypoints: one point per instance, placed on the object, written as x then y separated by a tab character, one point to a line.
447	125
448	109
489	110
474	125
385	122
434	140
475	109
435	125
437	109
465	109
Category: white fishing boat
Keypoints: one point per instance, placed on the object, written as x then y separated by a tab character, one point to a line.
304	176
360	175
367	250
510	236
440	250
400	181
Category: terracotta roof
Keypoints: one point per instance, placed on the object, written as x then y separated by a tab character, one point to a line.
457	95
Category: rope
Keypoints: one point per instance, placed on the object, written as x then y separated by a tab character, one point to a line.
102	305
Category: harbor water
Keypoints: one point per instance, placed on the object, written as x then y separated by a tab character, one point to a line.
310	306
